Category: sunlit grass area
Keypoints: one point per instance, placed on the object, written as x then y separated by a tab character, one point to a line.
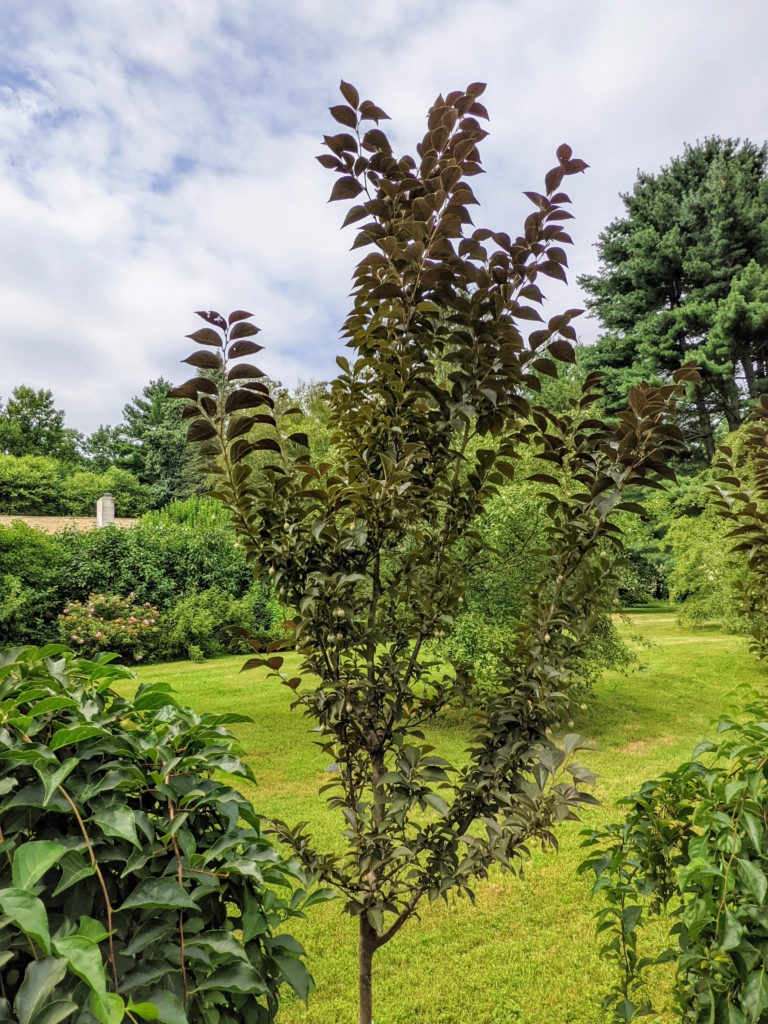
526	953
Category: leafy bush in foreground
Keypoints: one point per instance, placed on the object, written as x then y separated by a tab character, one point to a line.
132	873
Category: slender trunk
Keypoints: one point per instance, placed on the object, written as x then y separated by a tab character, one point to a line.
705	423
367	947
749	374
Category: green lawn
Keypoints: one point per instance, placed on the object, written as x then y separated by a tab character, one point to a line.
526	953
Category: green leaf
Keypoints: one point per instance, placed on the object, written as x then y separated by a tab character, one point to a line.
52	704
169	1008
732	931
84	958
295	973
159	893
239	977
146	936
32	860
40	979
754	879
28	913
222	942
91	929
56	1011
73	869
66	737
117	820
53	779
146	1010
754	995
436	802
107	1007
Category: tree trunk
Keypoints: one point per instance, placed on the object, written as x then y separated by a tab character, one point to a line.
367	947
705	424
749	374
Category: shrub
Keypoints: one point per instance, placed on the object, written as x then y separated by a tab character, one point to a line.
127	877
82	489
31	569
108	622
185	549
31	485
200	621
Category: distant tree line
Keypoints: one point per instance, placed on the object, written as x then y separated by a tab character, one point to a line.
47	468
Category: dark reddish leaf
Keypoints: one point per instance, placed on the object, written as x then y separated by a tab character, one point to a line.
243	400
212	317
266	444
575	166
564	153
345	188
479	111
370	112
552	270
301	439
275	663
553	178
387	291
243	330
239	426
184	391
476	89
201	384
239	314
253	663
244	348
332	163
545	366
344	115
204	360
353	215
205	336
200	430
562	351
350	94
244	371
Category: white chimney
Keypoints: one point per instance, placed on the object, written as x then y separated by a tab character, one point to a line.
105	510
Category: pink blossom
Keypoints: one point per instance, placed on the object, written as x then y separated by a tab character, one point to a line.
81	641
147	604
152	621
132	618
139	657
74	636
145	623
96	636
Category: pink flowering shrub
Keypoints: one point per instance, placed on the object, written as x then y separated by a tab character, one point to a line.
107	622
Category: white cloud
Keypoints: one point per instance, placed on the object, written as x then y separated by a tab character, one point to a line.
158	158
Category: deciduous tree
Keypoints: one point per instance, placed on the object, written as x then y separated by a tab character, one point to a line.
369	551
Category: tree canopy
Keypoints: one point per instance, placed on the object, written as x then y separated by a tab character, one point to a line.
694	239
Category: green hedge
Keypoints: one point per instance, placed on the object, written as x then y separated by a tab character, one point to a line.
184	560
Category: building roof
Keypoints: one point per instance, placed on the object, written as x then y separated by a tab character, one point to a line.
59	524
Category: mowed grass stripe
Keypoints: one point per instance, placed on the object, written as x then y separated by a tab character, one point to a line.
526	953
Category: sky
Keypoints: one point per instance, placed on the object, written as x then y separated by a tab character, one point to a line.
157	158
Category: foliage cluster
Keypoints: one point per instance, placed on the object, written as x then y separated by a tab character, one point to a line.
36	485
685	272
184	560
695	841
49	469
135	877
